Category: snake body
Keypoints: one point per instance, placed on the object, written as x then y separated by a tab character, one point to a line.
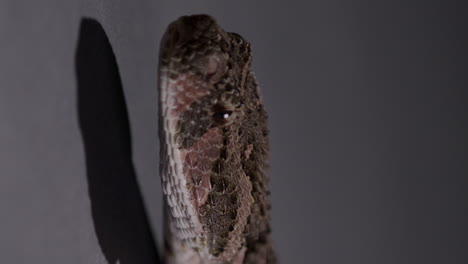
214	147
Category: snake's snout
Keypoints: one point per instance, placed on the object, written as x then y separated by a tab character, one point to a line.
187	29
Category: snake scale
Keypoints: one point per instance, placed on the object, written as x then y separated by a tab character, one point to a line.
214	147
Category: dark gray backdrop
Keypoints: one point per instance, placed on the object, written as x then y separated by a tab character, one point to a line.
368	117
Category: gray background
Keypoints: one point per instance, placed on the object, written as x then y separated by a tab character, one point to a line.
368	118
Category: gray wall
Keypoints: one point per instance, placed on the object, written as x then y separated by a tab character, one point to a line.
368	118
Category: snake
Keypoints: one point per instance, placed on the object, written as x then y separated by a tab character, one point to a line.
214	147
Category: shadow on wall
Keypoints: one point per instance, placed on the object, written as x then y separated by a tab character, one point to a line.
119	216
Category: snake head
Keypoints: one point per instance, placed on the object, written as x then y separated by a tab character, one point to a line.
213	134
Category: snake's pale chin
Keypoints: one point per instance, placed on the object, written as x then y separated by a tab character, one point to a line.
183	185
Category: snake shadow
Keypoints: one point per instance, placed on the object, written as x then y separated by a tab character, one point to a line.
118	213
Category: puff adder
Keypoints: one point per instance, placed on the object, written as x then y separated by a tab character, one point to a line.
214	147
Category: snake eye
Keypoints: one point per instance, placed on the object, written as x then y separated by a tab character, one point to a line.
221	116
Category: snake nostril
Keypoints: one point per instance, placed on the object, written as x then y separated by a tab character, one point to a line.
175	37
233	215
233	199
172	36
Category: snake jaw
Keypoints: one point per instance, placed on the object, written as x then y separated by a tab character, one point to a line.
174	100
